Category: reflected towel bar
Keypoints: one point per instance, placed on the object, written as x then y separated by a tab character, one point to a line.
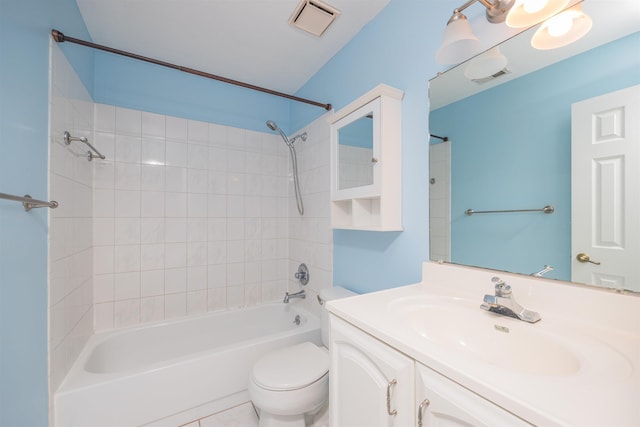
68	138
30	203
547	209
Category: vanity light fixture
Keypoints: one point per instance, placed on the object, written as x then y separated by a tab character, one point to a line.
563	29
526	13
458	41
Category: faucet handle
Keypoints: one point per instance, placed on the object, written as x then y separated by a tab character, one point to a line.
501	287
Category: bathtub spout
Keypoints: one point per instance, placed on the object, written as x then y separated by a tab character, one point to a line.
288	296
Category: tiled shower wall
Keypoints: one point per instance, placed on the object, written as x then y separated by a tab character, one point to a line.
182	217
70	225
311	236
189	217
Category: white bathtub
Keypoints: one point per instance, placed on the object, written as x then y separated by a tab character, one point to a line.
148	373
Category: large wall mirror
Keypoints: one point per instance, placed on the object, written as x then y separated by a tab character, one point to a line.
509	148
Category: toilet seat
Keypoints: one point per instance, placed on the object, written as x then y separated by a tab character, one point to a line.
291	368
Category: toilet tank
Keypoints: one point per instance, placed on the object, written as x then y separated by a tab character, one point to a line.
329	294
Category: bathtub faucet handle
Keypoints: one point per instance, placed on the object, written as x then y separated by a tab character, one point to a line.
302	275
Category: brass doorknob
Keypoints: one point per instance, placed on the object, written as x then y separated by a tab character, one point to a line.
581	257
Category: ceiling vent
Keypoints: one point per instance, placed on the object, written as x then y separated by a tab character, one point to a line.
313	16
499	74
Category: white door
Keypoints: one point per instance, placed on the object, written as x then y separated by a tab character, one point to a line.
370	383
605	230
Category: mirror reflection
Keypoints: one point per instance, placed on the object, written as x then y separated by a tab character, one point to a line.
510	148
355	153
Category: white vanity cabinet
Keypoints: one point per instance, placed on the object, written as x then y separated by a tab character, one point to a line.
370	383
366	164
442	402
373	385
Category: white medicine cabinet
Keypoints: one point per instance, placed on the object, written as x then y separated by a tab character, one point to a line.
366	162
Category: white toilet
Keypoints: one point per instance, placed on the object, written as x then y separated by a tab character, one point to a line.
291	384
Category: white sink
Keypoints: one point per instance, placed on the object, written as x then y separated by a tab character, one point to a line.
579	365
503	342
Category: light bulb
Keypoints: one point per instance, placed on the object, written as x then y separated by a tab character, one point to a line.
533	6
560	25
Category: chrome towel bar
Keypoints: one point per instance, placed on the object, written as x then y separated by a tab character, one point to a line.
547	209
68	138
30	203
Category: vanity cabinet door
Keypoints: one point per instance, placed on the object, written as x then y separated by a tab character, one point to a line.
442	402
370	383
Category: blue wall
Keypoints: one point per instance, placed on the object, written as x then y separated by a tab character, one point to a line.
515	169
397	49
133	84
25	26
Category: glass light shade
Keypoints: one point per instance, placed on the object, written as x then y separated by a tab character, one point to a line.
561	30
485	65
526	13
458	43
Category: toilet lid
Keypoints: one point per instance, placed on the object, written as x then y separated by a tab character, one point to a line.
292	367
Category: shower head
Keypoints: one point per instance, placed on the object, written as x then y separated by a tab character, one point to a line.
273	126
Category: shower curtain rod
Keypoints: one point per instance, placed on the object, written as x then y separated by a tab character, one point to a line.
60	37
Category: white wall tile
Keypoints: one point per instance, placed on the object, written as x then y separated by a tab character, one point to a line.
104	318
128	148
176	154
152	230
153	125
196	217
176	128
127	231
152	178
218	135
197	278
175	179
152	151
105	118
175	305
127	203
175	205
175	280
152	204
152	308
126	285
128	121
175	255
126	313
217	299
152	283
198	132
217	252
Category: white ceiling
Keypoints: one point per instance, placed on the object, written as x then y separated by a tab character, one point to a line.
245	40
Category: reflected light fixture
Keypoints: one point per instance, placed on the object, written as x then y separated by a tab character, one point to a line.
527	13
485	65
563	29
458	41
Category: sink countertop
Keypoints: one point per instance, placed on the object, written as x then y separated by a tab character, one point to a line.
601	328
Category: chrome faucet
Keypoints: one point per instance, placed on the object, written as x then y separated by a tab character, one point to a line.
505	304
288	296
